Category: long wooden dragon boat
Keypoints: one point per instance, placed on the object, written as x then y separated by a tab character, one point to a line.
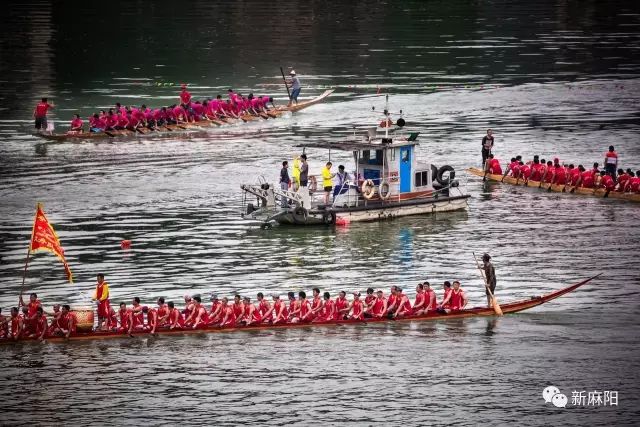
596	192
274	113
512	307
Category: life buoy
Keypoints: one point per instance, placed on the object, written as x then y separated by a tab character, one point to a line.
440	178
329	218
434	173
384	190
386	123
368	189
313	184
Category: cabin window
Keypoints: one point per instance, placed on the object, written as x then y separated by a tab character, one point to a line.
405	155
422	178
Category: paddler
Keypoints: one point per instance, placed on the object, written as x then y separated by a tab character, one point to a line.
68	321
250	314
490	275
342	306
606	182
430	299
163	312
404	305
176	320
456	300
4	326
198	317
264	308
379	308
279	311
444	305
137	316
356	309
228	317
17	324
41	325
393	301
316	304
304	308
152	319
125	315
215	314
296	87
418	304
328	309
493	165
101	295
76	124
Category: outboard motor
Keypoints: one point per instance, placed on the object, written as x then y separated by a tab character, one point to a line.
250	208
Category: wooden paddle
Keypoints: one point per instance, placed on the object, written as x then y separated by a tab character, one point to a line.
285	82
496	306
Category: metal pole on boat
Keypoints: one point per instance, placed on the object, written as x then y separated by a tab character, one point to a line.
24	274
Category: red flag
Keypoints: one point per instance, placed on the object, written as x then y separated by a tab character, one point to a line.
44	237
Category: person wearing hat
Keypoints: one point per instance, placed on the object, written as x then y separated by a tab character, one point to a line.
294	84
490	275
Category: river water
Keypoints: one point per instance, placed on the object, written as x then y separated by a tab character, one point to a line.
552	78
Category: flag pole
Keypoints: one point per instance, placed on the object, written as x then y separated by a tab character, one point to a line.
26	261
24	276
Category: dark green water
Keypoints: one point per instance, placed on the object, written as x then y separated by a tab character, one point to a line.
551	78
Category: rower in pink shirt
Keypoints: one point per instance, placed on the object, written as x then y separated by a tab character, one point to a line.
76	124
123	121
198	111
180	114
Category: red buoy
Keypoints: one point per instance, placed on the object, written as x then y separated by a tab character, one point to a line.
125	244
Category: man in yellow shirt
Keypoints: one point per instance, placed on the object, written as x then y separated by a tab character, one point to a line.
327	182
102	296
296	174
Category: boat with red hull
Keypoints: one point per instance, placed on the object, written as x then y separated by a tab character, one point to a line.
173	129
508	308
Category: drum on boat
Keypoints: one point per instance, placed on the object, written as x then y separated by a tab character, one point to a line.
85	319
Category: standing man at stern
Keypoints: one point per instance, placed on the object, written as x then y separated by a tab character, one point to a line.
295	87
487	146
490	274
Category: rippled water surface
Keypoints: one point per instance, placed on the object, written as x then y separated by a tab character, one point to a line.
552	78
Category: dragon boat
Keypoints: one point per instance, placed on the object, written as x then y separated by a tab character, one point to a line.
595	192
509	308
173	129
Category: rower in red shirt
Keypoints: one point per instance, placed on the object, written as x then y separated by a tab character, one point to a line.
17	324
54	327
101	295
32	312
4	326
198	317
188	306
633	183
279	312
163	312
430	299
238	308
126	318
68	321
215	314
176	319
41	325
342	306
304	314
457	299
525	172
404	305
369	299
493	165
76	124
294	307
137	316
393	301
606	182
356	309
379	308
152	319
559	175
228	317
316	304
621	180
445	305
264	308
537	169
418	304
328	311
250	315
611	161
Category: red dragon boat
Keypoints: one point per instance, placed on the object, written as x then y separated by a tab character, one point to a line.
596	192
185	127
512	307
